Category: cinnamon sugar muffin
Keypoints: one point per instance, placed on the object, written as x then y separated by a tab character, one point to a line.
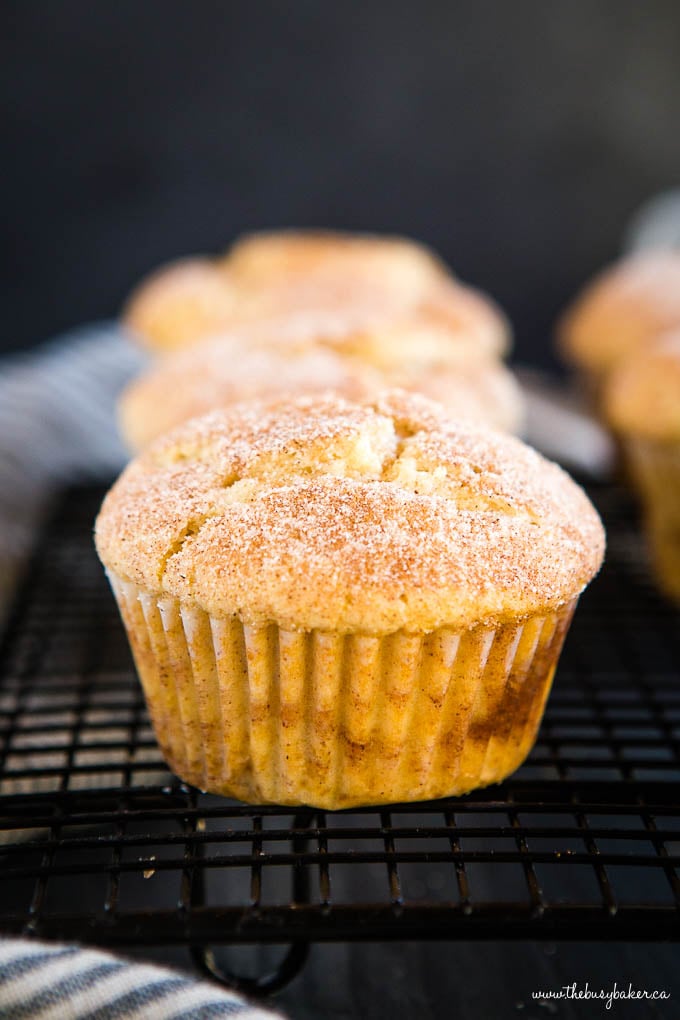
178	302
342	282
625	306
400	264
225	370
642	406
336	603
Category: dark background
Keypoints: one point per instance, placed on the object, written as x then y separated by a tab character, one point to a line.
515	137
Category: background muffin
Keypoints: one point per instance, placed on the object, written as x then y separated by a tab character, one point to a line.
180	302
622	309
347	281
338	603
244	365
290	256
642	405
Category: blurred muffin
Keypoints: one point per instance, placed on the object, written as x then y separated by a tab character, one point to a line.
642	405
481	392
454	324
342	282
219	372
337	603
400	266
179	302
622	309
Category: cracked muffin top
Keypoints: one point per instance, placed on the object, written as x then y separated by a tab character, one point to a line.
341	283
363	516
223	371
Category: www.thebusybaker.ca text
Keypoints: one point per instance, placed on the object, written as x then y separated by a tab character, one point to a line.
606	995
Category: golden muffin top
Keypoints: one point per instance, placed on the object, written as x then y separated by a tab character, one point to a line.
350	516
225	370
642	394
282	255
341	283
626	305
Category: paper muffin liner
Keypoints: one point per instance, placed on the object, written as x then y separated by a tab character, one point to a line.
333	720
654	468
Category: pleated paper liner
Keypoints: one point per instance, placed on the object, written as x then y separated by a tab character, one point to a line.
329	720
655	471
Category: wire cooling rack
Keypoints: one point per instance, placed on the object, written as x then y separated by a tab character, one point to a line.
99	842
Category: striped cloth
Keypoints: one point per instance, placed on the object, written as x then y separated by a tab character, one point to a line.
57	413
58	982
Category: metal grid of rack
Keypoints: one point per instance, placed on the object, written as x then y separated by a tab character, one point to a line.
98	841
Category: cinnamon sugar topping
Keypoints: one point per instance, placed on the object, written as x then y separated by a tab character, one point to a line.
369	516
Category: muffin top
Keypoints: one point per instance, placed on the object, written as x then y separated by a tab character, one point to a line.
626	305
225	370
350	516
642	394
341	283
180	301
283	255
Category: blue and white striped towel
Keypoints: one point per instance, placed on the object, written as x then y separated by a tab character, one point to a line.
57	414
59	982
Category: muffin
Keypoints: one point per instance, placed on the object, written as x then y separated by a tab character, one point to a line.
642	405
399	265
341	282
179	302
337	603
219	372
622	309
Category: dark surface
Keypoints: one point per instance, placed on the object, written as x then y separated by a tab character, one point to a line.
459	981
515	138
582	843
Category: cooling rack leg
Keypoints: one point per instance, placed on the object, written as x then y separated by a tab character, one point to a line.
297	952
290	965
